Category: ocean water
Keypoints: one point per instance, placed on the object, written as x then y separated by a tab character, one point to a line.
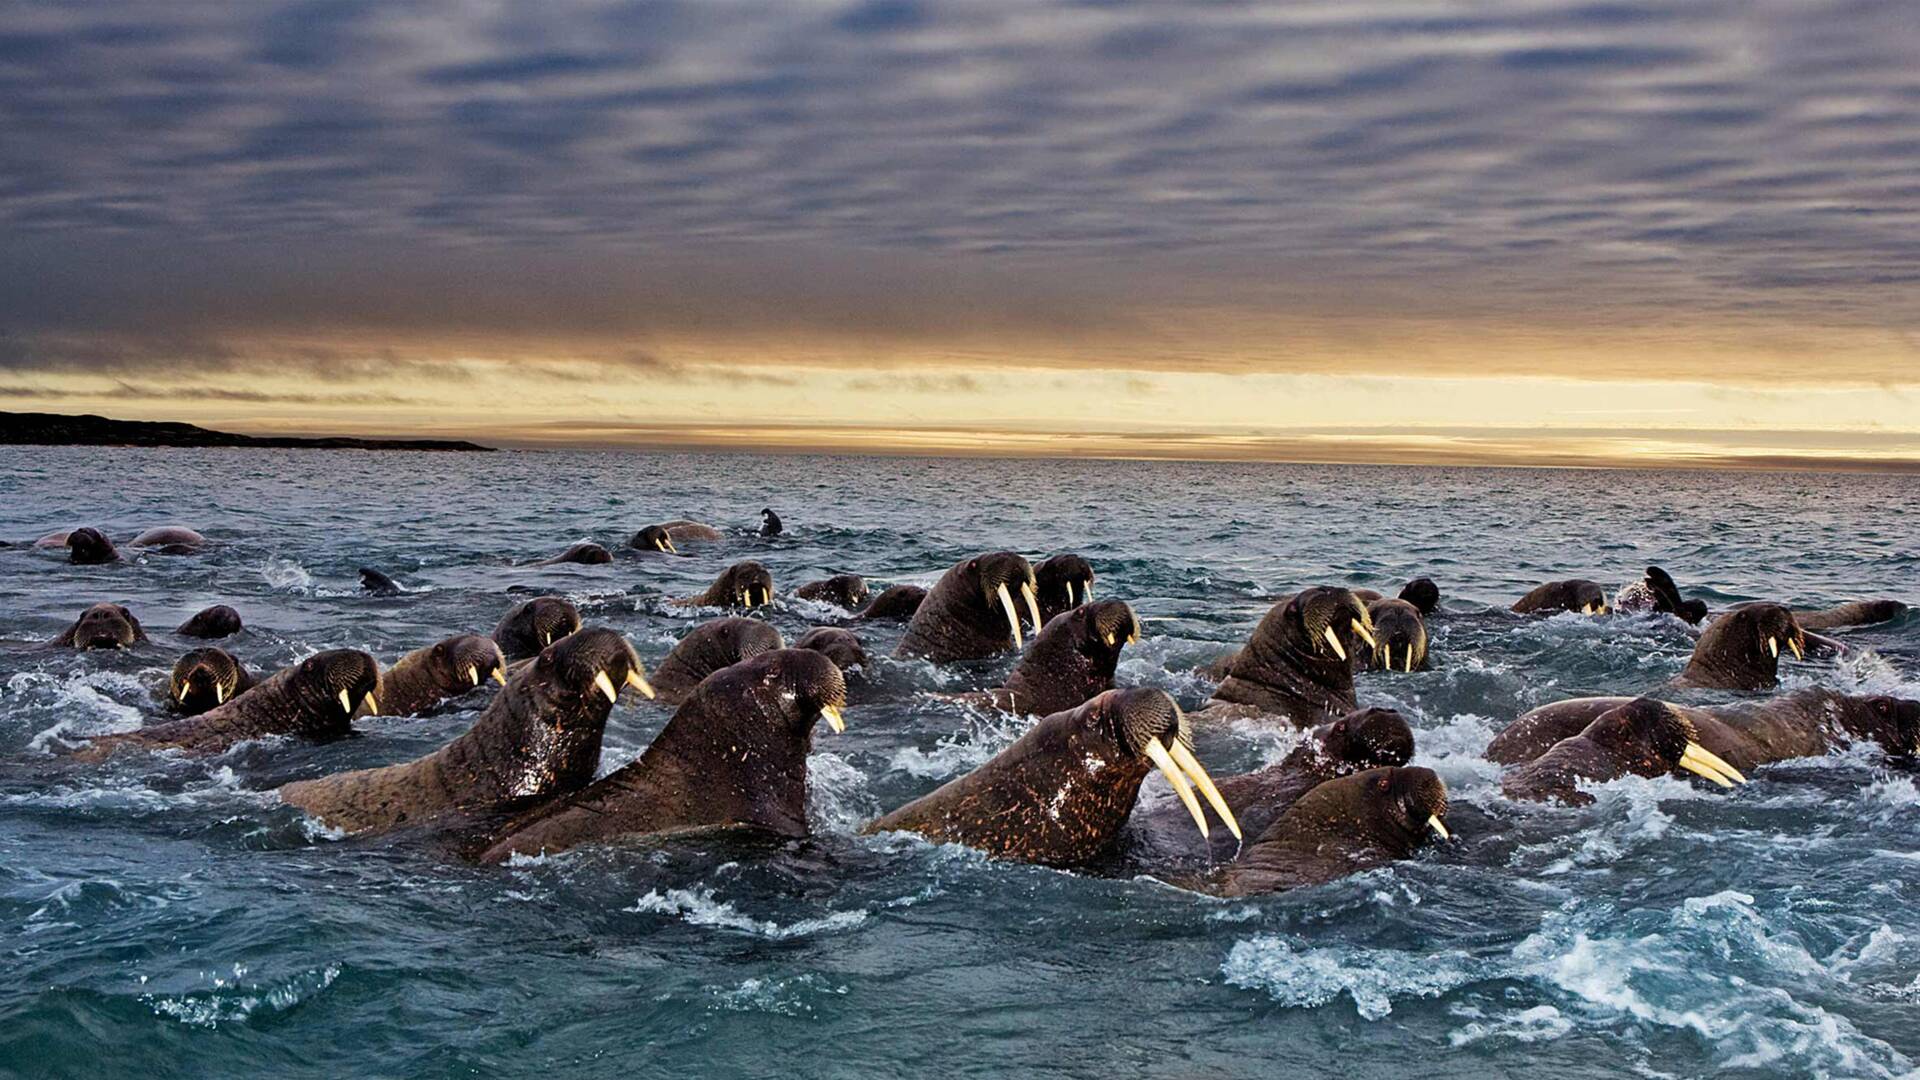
163	916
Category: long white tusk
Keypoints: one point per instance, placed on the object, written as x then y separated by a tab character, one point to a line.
634	680
1333	639
834	719
1698	753
473	675
1158	755
1388	650
1033	605
606	686
346	703
219	694
1794	644
1699	769
1366	635
371	704
1086	591
1773	646
499	676
1192	767
1409	660
1109	637
670	547
1434	823
1013	621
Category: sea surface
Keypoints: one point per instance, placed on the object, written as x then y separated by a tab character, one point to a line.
164	916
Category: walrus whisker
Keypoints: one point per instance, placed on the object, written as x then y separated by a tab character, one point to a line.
1190	765
1158	755
1013	620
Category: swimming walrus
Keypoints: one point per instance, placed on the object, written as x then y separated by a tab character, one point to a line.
653	538
1160	838
1072	659
206	678
1852	613
1740	650
842	590
969	614
170	540
1298	662
1060	583
538	738
102	626
770	523
710	647
1402	636
1577	595
1061	793
584	553
207	624
1341	827
377	583
1746	734
90	547
440	672
535	624
682	531
315	699
734	756
744	584
1656	592
1422	593
842	647
895	602
1642	737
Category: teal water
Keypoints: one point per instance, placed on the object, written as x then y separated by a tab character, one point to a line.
165	917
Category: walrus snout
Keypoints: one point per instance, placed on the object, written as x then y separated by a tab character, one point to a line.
593	661
90	547
1418	800
103	626
1001	575
534	625
206	678
474	659
1151	726
1367	739
1062	583
1332	618
348	678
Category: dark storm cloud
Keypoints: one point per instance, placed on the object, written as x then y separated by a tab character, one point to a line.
414	163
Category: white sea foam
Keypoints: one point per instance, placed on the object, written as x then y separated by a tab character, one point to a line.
838	799
1308	976
987	734
697	907
782	997
230	1003
286	575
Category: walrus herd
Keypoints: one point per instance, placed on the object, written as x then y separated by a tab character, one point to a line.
745	704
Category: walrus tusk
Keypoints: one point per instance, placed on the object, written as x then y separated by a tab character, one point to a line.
1033	606
346	703
1086	591
1794	644
1434	823
834	719
1409	661
1366	635
1388	650
1773	646
1158	755
1333	639
606	686
499	676
1190	765
1013	621
1109	636
634	680
371	704
1695	755
473	675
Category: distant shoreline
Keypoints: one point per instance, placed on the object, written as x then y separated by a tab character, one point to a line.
63	429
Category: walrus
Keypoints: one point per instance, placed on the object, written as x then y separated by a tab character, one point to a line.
1072	659
653	538
682	531
710	647
969	614
1656	592
1160	838
90	547
1642	737
206	678
1341	827
842	590
1852	613
744	584
377	583
1747	734
315	699
102	626
1061	793
842	647
1298	662
1402	636
538	738
440	672
734	756
1740	650
55	539
770	523
895	602
584	553
1060	583
210	623
170	540
534	625
1578	595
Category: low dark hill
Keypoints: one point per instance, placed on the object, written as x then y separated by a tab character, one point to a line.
59	429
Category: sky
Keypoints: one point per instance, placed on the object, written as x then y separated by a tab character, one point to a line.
1360	230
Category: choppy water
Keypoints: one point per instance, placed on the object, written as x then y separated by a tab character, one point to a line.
163	917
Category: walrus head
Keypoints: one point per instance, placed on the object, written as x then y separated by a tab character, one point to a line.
1298	663
468	660
1365	739
591	665
1644	737
103	626
1330	620
205	678
1401	633
897	602
744	584
1576	595
971	612
1072	659
585	553
1404	806
710	647
1892	722
1343	826
346	680
534	625
217	621
846	590
1061	583
1741	649
1423	594
840	646
90	547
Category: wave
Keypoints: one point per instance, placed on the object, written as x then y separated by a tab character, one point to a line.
697	907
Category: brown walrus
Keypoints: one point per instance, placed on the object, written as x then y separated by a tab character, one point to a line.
1656	592
1061	583
440	672
534	625
1072	659
584	553
710	647
734	756
1740	650
1061	793
102	626
170	540
1161	838
744	584
90	547
1298	662
969	613
1852	613
1642	737
206	678
207	624
653	538
1402	636
1577	594
842	647
842	590
315	699
538	738
895	602
1341	827
682	531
